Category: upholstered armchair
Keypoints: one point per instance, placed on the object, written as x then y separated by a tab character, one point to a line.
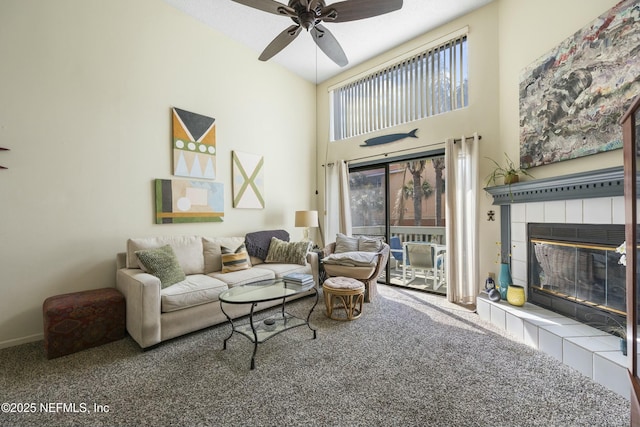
365	266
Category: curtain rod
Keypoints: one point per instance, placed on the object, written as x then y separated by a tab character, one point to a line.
456	140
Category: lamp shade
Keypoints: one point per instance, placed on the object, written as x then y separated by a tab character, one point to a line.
306	218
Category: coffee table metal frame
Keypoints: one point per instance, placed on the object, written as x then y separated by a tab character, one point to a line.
257	292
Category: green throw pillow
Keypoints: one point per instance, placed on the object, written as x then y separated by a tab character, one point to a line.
163	264
287	252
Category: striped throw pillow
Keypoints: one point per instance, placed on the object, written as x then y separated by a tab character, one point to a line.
235	260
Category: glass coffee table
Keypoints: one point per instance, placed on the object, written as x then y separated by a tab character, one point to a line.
258	331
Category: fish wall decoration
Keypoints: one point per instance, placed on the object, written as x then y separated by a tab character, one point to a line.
3	149
385	139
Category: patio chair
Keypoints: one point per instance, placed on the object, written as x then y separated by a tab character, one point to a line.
440	277
397	252
421	256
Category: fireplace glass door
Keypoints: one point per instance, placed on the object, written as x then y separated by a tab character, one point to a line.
588	275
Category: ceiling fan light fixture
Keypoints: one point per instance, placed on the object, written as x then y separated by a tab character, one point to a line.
328	15
309	14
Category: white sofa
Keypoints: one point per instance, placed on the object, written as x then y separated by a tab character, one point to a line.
156	314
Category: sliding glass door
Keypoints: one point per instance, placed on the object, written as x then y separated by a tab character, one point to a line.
403	201
368	191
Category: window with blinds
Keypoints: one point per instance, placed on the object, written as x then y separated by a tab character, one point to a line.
431	82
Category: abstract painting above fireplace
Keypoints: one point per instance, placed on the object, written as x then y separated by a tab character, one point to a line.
572	97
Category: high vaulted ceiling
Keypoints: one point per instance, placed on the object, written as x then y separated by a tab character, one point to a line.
360	40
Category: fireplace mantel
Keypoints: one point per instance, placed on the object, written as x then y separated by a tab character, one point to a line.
584	185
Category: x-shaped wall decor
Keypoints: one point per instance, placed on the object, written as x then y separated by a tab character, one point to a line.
248	180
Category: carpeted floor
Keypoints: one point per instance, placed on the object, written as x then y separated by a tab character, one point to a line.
412	359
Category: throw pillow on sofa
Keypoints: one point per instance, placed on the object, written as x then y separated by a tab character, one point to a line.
281	252
163	264
235	260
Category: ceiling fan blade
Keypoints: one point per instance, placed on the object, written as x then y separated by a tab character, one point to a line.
280	42
270	6
329	45
352	10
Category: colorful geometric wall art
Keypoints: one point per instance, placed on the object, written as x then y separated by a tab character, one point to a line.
185	200
194	145
248	180
572	97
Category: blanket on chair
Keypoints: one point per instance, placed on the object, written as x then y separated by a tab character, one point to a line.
352	259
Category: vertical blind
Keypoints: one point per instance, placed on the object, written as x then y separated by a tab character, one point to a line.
428	83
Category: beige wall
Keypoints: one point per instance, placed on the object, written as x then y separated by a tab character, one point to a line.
86	91
504	37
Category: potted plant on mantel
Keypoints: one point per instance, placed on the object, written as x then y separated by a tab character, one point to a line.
509	173
619	331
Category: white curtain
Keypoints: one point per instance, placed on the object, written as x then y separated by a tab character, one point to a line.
338	201
461	159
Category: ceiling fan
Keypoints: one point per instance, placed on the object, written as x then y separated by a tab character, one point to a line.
309	14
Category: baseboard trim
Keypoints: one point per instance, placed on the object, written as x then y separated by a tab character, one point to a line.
20	341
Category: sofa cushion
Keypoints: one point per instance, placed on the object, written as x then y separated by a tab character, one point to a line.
212	249
287	252
345	243
162	263
243	277
196	289
188	250
281	270
234	260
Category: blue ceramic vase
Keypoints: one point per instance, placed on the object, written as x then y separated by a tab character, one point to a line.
504	280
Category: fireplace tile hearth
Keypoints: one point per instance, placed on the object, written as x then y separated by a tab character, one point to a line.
590	351
592	198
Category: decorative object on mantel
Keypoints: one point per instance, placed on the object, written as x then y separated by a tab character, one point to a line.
385	139
504	275
571	97
248	180
186	201
490	288
504	280
3	149
509	173
515	295
194	145
622	250
619	331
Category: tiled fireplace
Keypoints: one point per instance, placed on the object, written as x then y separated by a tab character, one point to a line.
595	200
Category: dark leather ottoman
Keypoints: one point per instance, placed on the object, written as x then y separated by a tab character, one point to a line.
80	320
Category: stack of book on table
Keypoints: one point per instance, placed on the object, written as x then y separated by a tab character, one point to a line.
298	279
